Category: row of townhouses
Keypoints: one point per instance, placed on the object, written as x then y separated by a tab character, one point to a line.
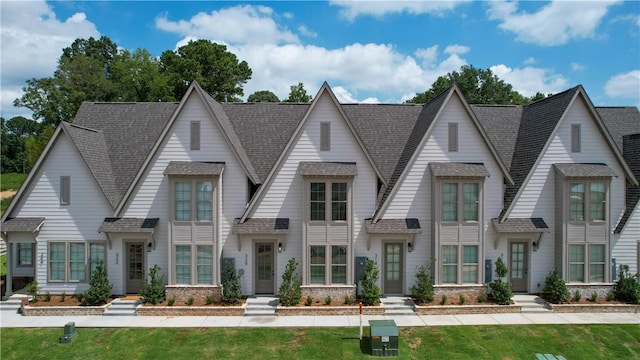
191	185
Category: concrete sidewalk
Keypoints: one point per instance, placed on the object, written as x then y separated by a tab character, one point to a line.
9	319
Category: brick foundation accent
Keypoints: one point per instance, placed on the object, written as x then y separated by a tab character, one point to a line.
466	309
328	310
587	289
454	291
142	310
594	308
199	292
336	292
63	310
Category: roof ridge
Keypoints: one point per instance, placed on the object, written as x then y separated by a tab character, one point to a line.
82	127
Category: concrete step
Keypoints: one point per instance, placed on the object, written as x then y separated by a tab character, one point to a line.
10	305
261	306
530	304
397	306
121	307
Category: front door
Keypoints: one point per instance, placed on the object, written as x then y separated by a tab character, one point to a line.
264	268
519	266
135	267
393	268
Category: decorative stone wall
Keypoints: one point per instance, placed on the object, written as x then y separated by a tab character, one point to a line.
328	310
321	292
454	291
142	310
199	292
594	308
62	310
466	309
587	289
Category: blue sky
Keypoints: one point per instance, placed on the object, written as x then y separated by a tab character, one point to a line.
368	51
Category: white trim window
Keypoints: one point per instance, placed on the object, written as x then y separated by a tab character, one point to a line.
587	262
460	264
453	209
26	254
335	256
328	200
73	261
193	264
193	200
590	195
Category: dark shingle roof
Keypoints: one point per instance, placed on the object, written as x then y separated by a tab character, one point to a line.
520	225
573	170
393	226
190	168
30	224
458	170
501	123
262	226
327	169
632	156
128	225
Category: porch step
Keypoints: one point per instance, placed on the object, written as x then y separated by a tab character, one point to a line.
397	305
530	303
261	306
120	307
11	305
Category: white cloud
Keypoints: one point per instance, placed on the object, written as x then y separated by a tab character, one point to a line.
235	25
344	96
456	49
554	24
303	30
530	61
530	80
625	85
354	8
577	66
31	34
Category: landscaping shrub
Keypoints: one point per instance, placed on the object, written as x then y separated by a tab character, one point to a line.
32	289
153	290
171	301
422	291
209	300
594	296
99	287
347	299
370	291
481	298
500	290
309	300
190	301
231	290
63	296
577	296
627	288
290	292
47	297
328	300
555	290
443	299
462	299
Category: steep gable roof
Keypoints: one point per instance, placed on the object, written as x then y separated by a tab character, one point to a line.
501	122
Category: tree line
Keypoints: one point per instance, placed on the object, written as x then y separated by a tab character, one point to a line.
97	70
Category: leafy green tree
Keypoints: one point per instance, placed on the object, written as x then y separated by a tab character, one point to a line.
290	292
15	133
422	291
555	289
479	86
298	94
99	287
137	77
370	290
501	290
217	70
34	145
231	290
153	290
263	96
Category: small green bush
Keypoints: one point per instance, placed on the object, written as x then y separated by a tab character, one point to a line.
370	291
231	289
32	289
422	291
481	298
308	301
79	297
209	300
577	296
443	299
290	292
347	299
171	301
594	296
328	300
153	290
47	297
63	296
555	290
99	287
501	291
461	299
190	301
610	296
627	288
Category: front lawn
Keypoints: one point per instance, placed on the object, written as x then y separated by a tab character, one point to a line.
3	265
448	342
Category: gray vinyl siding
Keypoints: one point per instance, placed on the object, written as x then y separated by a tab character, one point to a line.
625	246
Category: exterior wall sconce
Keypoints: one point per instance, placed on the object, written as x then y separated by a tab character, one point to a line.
279	247
410	243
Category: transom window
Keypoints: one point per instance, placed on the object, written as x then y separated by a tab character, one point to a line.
74	261
587	195
332	207
587	263
452	262
320	256
453	209
193	200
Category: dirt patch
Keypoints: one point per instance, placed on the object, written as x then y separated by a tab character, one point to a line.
7	193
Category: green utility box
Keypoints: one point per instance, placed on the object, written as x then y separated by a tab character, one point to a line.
69	334
384	337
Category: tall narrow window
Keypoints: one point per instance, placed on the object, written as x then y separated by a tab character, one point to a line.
470	193
597	201
318	198
183	201
470	264
65	190
339	201
76	262
325	136
576	202
576	263
317	264
596	263
576	143
57	261
453	137
205	194
25	254
339	264
195	135
450	202
205	264
449	264
96	255
183	264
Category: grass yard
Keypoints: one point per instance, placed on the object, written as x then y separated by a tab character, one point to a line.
452	342
3	264
11	181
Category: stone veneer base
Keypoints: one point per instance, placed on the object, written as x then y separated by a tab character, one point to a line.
63	310
328	310
593	308
142	310
182	293
466	309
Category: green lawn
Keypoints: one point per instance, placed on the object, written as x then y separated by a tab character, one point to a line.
452	342
11	181
3	264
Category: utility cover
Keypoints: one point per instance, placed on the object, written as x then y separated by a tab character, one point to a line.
384	337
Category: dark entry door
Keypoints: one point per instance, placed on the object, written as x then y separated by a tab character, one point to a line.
264	268
135	266
393	268
519	269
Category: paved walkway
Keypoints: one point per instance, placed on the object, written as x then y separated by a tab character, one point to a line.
10	318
